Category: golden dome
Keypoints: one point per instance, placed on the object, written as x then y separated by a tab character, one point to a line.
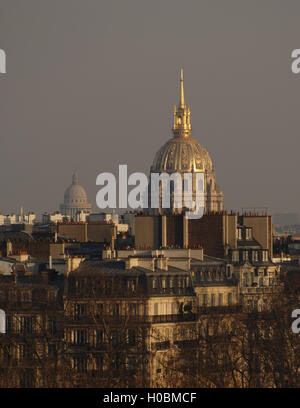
182	153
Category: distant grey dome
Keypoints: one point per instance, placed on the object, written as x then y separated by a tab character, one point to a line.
75	193
75	199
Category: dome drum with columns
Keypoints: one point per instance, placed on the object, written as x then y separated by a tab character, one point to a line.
75	199
183	154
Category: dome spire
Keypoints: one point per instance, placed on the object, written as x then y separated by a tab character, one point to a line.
182	115
75	179
182	104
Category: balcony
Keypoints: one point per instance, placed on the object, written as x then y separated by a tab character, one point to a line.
219	309
261	290
173	318
130	320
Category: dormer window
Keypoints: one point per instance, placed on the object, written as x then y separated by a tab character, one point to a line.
239	233
248	233
265	255
254	256
235	256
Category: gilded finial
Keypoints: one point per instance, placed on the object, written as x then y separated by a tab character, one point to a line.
75	178
182	120
181	89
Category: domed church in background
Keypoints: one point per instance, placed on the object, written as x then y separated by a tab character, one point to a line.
183	154
75	199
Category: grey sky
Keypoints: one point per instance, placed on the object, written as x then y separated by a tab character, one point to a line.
91	84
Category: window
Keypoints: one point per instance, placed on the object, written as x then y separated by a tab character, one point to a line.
115	337
100	309
213	301
254	256
229	299
133	309
116	310
154	283
8	326
132	363
248	233
80	364
141	309
239	233
51	326
235	256
205	299
131	284
131	337
26	378
220	299
245	255
99	363
175	334
26	296
180	285
167	334
100	336
173	308
80	309
79	336
265	255
24	351
25	324
116	361
7	352
79	285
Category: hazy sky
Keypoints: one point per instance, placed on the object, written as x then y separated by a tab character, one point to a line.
91	84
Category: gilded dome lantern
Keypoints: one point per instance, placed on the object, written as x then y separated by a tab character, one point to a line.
184	154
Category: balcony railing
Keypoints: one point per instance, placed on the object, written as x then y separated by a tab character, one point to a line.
219	309
118	319
261	289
